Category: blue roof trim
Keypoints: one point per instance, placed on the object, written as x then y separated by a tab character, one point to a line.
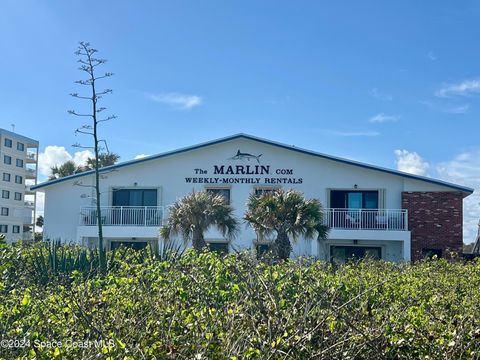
264	141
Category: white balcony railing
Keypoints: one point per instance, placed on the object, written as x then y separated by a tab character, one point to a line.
367	219
122	216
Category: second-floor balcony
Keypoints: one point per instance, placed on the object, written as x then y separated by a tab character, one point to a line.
122	216
335	219
367	219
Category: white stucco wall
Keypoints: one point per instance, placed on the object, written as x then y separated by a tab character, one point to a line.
168	174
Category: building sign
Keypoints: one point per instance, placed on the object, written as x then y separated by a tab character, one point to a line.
253	173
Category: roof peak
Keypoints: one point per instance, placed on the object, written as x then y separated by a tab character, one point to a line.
268	142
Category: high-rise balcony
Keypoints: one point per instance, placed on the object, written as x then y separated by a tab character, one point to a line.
30	173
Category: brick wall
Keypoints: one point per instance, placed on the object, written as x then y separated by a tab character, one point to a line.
435	221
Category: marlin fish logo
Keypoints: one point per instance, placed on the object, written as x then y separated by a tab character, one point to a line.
246	156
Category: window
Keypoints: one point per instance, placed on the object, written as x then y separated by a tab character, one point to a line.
4	229
225	193
352	199
135	245
341	254
16	229
4	211
8	142
6	177
18	179
218	247
18	196
7	159
134	197
20	146
20	163
261	191
5	194
432	253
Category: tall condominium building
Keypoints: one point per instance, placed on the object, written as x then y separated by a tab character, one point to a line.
18	172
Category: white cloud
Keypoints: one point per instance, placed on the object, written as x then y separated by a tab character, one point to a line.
461	109
355	133
141	156
380	96
176	100
411	162
464	88
464	169
451	109
431	55
383	118
81	157
57	155
52	156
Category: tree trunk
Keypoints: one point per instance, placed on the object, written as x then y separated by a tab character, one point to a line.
282	246
101	246
198	241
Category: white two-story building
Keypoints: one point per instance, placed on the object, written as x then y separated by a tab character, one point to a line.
370	210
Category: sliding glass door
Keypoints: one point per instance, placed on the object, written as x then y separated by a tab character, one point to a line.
134	197
353	199
354	208
341	254
135	207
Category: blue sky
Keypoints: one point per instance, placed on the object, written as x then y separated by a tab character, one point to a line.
395	84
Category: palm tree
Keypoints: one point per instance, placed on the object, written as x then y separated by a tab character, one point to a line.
66	169
104	159
39	221
194	214
286	213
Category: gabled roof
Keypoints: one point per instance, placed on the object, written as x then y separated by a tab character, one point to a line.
464	189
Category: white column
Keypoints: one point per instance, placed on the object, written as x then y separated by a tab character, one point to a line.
407	249
314	248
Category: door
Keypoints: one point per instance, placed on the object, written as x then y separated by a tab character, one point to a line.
135	200
352	201
342	254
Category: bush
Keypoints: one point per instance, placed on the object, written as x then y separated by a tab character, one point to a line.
210	307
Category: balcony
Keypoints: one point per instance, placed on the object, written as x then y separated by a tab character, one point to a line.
367	219
31	173
137	216
31	157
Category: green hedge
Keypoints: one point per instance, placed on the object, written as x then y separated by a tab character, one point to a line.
203	306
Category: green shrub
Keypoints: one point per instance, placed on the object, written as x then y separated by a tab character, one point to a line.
210	307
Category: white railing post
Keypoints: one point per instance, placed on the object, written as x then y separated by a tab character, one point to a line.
145	216
121	215
360	222
405	213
